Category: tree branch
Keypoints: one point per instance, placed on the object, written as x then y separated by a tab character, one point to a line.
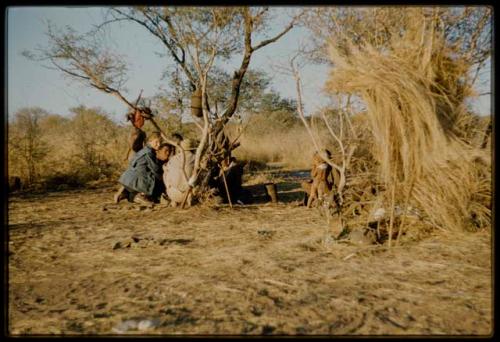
238	75
159	34
272	40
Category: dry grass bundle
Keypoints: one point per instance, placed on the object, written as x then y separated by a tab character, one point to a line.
414	93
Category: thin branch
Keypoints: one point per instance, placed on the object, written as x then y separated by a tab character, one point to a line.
301	114
159	34
107	22
272	40
69	72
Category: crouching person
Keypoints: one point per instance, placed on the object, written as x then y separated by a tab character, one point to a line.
142	181
175	182
163	154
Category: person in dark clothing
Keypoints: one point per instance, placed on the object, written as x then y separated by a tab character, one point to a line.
233	172
142	181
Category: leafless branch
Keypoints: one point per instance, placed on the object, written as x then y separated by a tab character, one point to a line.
272	40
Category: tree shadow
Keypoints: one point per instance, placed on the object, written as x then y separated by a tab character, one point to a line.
290	191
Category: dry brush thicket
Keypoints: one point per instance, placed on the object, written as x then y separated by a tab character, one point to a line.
88	146
85	147
424	141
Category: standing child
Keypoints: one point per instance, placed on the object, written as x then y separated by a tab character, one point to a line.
320	173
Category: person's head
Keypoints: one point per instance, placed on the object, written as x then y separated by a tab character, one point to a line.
164	152
130	116
328	153
177	137
155	140
317	159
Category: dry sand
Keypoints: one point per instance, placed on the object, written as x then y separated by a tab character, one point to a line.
79	264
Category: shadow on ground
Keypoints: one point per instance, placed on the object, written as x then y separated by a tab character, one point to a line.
288	187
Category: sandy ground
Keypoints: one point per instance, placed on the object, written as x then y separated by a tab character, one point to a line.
78	264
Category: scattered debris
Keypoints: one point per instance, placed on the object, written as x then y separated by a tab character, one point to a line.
147	324
136	324
275	282
125	326
122	244
362	237
267	234
136	241
349	256
379	214
267	329
391	320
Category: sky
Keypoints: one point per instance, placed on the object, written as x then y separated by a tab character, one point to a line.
30	84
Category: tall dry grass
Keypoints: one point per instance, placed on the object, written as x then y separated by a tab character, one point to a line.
88	147
291	147
414	91
266	140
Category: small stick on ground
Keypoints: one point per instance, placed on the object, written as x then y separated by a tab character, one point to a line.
185	198
227	189
378	230
349	256
275	282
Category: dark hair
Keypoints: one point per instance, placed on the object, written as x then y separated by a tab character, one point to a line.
167	145
317	154
177	136
328	153
129	116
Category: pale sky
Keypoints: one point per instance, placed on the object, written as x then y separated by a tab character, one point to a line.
30	84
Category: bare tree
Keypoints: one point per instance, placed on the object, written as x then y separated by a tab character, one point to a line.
195	38
27	145
92	130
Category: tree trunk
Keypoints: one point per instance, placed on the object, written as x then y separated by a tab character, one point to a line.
218	150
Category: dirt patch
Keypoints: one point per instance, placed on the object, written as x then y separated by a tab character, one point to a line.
79	264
